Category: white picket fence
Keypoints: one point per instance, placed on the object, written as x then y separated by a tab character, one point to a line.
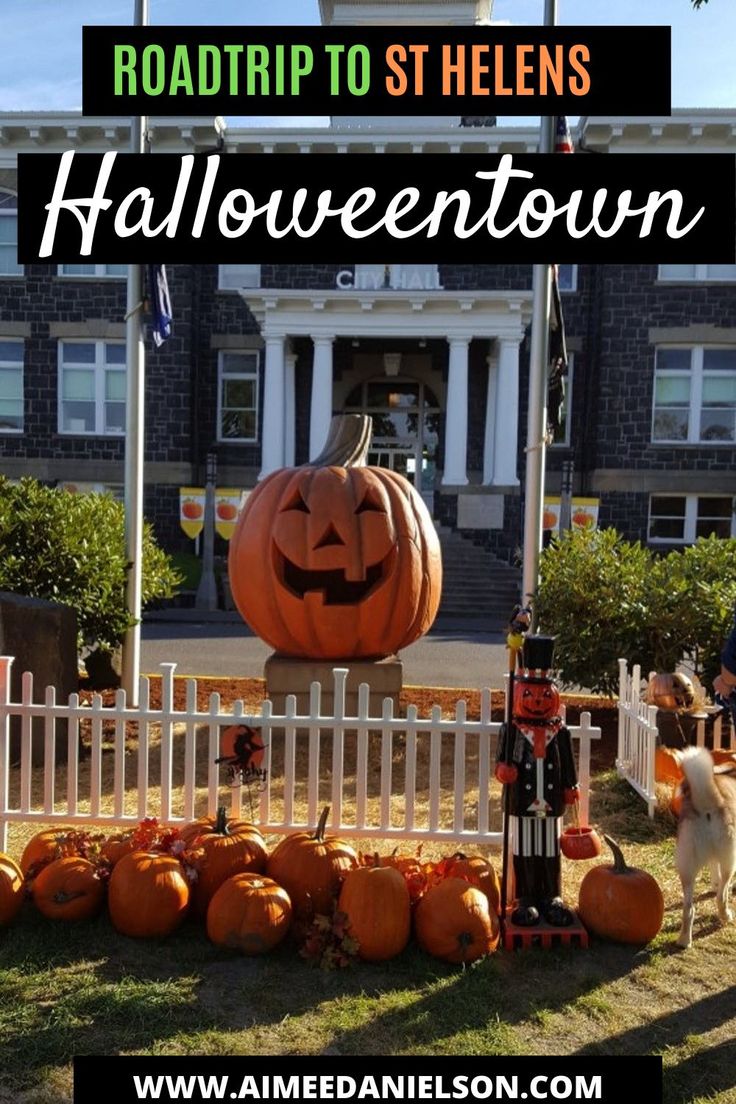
638	733
386	776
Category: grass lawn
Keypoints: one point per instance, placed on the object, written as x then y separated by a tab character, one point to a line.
84	989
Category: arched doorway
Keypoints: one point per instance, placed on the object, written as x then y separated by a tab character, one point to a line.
406	422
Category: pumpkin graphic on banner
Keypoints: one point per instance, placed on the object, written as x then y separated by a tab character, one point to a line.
335	560
191	510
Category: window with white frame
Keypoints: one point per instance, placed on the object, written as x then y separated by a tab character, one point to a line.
11	386
117	270
562	434
9	235
684	273
567	277
239	276
237	397
695	395
681	519
92	387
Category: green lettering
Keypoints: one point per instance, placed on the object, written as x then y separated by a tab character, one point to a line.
124	64
233	52
334	50
153	76
257	63
302	63
358	86
212	86
279	70
181	72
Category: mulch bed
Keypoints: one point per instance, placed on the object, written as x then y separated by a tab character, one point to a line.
252	690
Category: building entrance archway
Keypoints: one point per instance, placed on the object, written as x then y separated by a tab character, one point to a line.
406	425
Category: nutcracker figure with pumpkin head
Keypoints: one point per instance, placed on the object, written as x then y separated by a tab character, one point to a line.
535	763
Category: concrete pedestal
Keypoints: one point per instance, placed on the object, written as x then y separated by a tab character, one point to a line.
285	675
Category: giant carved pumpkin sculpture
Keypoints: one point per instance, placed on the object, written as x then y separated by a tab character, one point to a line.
334	560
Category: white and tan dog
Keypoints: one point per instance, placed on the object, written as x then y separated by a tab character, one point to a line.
706	834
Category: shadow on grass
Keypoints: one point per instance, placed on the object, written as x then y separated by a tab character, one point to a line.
84	989
712	1069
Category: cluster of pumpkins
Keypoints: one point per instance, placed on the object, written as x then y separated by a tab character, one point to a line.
219	870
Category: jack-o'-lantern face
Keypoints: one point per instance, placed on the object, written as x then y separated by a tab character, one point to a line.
337	546
332	562
535	701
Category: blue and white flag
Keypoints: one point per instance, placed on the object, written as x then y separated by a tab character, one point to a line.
160	304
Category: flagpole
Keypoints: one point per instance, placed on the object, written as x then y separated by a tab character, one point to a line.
537	408
134	431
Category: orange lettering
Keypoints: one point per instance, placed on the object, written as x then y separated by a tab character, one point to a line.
449	68
396	86
522	70
578	56
419	52
550	70
499	88
478	50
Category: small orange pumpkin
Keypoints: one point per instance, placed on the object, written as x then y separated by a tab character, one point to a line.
52	843
68	889
667	765
311	868
12	889
375	900
336	560
249	913
476	870
621	902
229	846
116	846
453	922
148	894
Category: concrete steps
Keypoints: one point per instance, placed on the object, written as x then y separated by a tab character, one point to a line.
476	586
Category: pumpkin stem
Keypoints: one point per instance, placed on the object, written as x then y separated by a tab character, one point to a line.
220	826
347	443
376	859
619	862
319	833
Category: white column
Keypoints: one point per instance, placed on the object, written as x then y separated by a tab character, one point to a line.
456	417
490	428
272	447
506	436
289	411
320	414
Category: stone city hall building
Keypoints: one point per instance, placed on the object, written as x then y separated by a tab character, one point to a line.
263	354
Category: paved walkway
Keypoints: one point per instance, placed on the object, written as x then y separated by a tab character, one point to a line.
454	655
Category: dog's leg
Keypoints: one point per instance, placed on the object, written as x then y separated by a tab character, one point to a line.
724	892
685	937
715	877
687	867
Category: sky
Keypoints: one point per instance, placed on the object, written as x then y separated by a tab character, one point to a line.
40	41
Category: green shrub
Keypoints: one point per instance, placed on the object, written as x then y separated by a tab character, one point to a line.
693	598
604	597
593	599
70	548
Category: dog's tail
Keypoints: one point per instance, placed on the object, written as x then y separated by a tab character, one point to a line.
697	765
